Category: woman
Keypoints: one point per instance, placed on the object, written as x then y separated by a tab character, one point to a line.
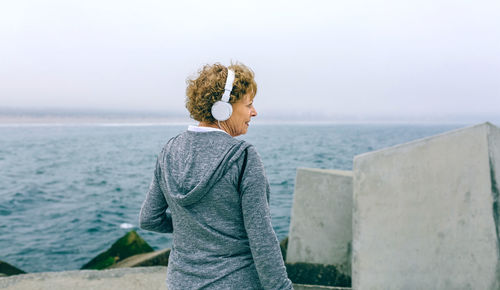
216	192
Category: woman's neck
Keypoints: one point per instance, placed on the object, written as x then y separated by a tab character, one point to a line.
206	124
218	125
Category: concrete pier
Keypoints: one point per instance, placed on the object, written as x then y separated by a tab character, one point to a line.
115	279
426	213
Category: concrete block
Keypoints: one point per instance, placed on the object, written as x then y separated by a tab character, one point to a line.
426	213
321	221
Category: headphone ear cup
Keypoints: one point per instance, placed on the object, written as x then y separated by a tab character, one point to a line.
221	111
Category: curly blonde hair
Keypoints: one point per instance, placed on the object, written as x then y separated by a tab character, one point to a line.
208	86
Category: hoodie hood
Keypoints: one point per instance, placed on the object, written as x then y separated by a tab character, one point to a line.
191	163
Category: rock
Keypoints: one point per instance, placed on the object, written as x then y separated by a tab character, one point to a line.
283	247
156	258
7	269
317	274
128	245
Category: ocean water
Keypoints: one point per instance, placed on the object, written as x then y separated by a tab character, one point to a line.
68	192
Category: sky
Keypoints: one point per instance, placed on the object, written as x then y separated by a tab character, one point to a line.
418	59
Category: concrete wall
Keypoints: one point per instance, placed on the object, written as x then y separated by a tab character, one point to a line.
426	213
321	221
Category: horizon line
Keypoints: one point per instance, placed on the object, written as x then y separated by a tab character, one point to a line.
10	115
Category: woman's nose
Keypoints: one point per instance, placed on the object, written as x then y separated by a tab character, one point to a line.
254	112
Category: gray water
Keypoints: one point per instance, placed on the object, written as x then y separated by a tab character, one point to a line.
67	191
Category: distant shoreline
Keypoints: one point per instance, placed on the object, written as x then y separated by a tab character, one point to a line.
40	118
96	121
10	116
88	120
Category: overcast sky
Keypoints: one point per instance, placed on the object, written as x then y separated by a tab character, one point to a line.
428	57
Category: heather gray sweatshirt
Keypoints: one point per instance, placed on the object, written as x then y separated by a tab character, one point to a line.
211	191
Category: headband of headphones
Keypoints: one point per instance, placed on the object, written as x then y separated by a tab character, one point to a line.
229	85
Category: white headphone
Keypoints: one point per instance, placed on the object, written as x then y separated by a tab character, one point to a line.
222	109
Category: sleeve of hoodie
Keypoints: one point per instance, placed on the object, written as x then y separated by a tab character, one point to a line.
264	244
153	215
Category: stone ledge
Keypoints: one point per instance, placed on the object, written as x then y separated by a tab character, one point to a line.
112	279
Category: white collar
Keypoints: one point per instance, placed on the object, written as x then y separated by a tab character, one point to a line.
203	129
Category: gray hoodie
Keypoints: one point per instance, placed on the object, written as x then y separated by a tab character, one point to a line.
211	191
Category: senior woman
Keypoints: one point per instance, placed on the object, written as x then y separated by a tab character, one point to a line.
211	191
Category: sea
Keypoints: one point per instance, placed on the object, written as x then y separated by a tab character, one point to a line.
68	192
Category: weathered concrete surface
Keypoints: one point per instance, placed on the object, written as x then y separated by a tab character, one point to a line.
316	287
114	279
321	221
317	274
426	213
